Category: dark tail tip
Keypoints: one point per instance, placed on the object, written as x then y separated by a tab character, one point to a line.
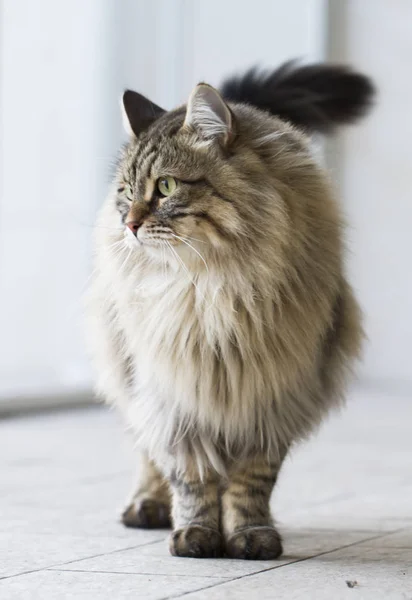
315	97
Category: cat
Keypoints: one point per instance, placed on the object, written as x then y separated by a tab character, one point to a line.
220	319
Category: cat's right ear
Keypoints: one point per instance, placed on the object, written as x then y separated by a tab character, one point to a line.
138	112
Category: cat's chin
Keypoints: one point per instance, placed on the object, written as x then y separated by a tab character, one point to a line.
131	240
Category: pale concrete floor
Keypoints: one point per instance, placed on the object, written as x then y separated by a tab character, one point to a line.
344	506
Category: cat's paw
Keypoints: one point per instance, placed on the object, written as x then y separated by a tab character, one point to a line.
255	543
147	514
196	541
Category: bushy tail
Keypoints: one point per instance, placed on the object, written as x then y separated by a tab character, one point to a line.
315	97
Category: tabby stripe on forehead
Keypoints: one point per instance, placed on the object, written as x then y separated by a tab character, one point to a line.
172	127
141	156
152	144
145	166
148	150
135	156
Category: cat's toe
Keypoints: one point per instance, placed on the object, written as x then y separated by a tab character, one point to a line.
147	514
255	543
196	541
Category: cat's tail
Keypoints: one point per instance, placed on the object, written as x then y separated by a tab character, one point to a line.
314	97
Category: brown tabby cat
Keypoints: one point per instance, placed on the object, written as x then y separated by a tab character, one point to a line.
221	320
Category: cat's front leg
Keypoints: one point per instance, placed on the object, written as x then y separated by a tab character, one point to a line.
246	520
196	515
149	507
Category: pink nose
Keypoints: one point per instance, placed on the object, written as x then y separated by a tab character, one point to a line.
133	226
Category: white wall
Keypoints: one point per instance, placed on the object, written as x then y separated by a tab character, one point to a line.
63	67
374	163
223	36
52	72
165	47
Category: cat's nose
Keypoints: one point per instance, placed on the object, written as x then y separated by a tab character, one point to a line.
133	226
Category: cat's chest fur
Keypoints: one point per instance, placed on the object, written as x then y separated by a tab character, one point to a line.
188	376
173	326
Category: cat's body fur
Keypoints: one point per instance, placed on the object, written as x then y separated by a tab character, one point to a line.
224	356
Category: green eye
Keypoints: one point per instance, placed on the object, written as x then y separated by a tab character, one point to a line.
166	185
128	192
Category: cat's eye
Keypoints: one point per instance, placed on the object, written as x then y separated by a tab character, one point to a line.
166	185
128	192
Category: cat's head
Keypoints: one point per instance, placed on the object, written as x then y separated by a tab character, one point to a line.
233	179
206	179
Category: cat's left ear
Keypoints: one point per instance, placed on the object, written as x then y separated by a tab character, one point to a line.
208	114
138	112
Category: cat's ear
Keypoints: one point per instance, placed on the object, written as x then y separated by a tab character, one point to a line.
138	112
208	114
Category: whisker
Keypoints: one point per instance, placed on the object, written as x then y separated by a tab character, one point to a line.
194	250
187	237
179	259
118	243
164	266
125	261
186	270
118	250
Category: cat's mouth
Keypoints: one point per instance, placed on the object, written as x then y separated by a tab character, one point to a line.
153	239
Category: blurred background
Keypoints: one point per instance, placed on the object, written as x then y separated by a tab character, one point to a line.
63	66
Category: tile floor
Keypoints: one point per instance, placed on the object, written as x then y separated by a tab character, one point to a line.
344	506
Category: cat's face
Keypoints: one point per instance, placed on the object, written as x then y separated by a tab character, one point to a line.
170	189
202	181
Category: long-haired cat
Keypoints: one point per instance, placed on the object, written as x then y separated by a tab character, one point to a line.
221	322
